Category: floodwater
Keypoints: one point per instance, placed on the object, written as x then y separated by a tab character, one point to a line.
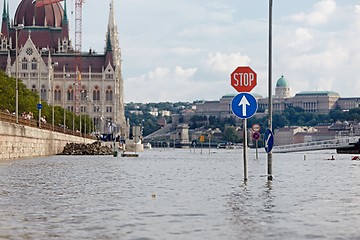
178	194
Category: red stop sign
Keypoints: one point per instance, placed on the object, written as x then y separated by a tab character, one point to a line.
243	79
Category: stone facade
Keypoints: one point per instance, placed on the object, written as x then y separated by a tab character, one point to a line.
83	82
18	141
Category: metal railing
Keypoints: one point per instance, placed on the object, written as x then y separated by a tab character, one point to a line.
316	145
11	118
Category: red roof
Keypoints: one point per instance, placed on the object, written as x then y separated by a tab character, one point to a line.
27	10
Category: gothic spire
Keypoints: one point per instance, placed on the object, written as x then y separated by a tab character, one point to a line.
108	42
112	39
111	24
65	19
4	15
5	21
111	29
65	25
7	13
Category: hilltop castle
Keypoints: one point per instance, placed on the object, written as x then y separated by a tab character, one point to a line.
321	102
48	63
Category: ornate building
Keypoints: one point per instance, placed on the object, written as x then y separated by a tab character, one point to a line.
282	89
321	102
48	63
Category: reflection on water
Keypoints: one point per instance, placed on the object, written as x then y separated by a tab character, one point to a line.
249	218
171	194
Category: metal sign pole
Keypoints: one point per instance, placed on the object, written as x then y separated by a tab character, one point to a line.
209	143
269	155
257	146
245	149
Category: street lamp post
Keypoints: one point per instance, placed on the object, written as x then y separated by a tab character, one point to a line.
80	107
96	125
74	106
39	89
39	83
64	94
87	108
52	93
17	28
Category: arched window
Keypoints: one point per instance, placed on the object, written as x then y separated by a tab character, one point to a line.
43	92
109	94
57	94
33	64
70	94
24	64
96	94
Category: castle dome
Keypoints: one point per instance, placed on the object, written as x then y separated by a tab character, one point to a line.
50	15
282	82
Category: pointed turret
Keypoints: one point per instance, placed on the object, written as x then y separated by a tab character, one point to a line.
5	21
109	51
65	25
65	19
8	16
113	49
4	15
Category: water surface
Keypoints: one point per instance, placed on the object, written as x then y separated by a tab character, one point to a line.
178	194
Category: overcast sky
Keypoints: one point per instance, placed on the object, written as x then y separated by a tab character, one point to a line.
185	50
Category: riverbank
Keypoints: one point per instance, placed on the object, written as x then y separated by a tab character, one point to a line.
19	141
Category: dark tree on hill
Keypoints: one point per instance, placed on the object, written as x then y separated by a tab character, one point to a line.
231	135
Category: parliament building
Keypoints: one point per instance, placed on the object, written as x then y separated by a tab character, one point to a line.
88	82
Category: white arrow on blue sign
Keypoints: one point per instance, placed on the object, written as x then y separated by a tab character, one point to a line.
269	140
244	105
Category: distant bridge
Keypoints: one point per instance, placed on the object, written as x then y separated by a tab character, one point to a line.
316	145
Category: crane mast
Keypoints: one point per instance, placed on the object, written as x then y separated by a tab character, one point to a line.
78	43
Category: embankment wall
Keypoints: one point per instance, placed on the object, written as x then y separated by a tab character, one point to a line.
18	141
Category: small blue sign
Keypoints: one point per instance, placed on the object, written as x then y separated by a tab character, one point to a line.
244	105
39	106
268	140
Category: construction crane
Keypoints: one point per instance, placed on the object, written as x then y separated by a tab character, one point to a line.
78	46
78	25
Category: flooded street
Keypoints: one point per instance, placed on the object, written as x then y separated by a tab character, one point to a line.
178	194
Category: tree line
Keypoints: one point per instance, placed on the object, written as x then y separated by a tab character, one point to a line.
292	116
28	101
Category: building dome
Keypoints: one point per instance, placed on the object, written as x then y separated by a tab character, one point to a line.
49	15
282	82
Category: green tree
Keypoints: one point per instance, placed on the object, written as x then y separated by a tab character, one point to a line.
231	135
280	121
28	101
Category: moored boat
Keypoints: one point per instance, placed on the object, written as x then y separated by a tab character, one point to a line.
352	148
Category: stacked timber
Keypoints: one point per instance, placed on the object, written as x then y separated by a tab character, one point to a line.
94	148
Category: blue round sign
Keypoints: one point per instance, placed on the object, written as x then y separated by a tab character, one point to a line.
268	140
39	106
244	105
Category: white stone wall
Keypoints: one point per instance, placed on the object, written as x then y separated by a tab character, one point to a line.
19	142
